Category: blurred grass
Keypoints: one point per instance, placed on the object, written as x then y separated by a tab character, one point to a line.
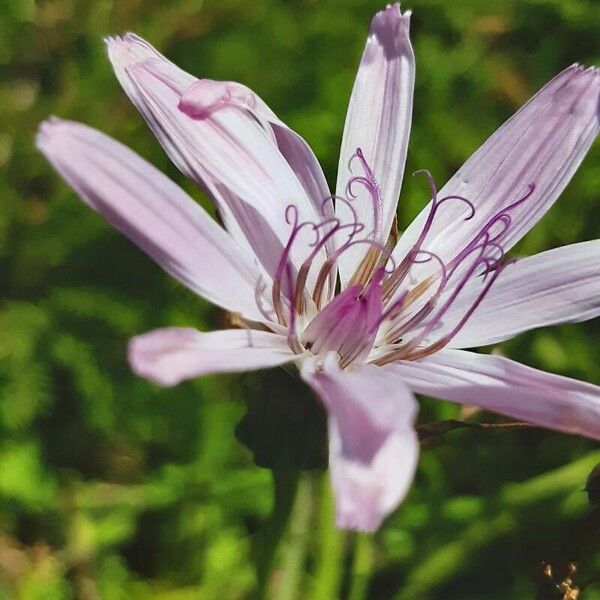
110	488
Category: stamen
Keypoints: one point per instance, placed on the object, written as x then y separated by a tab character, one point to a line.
435	205
477	302
350	321
400	329
459	286
307	264
318	289
320	242
410	350
370	183
393	310
367	267
484	236
259	289
293	342
394	281
443	341
291	217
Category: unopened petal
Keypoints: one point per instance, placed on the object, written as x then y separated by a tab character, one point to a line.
501	385
227	152
154	213
169	356
207	96
378	122
373	448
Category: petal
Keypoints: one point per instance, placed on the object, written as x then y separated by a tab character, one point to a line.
557	286
169	356
227	152
378	122
542	144
506	387
373	448
154	213
207	96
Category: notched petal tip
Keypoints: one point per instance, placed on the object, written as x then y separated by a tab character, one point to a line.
390	28
44	132
577	69
579	92
362	522
390	19
145	352
51	133
128	50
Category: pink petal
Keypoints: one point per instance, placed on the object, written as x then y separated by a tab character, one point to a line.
169	356
558	286
378	122
373	448
207	96
227	152
506	387
153	212
542	144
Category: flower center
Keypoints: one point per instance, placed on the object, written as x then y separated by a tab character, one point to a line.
348	324
395	308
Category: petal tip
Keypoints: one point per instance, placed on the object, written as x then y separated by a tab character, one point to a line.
138	362
579	91
364	522
364	519
390	17
48	133
129	49
150	354
390	28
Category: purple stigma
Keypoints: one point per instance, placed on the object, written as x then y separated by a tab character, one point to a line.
369	182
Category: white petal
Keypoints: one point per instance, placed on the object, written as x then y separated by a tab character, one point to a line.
506	387
378	122
154	213
542	144
169	356
557	286
206	97
226	151
373	448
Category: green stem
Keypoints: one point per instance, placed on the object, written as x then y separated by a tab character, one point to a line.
285	482
296	542
362	566
330	557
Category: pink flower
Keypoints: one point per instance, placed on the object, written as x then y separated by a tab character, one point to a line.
323	281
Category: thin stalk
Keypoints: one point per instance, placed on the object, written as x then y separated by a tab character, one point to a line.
296	542
285	483
362	566
330	552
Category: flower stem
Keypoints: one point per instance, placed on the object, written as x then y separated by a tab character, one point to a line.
285	483
289	585
330	555
362	566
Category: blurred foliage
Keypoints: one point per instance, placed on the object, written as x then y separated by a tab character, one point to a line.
113	489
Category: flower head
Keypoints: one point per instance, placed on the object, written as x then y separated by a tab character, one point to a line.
324	280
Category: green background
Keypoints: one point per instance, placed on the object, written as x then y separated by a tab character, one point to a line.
111	488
